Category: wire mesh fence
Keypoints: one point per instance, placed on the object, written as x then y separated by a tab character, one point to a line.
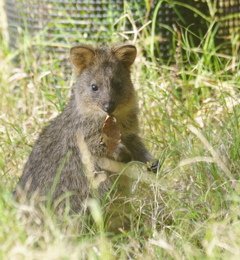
64	23
172	16
59	24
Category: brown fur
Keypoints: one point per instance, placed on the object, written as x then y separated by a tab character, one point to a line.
70	145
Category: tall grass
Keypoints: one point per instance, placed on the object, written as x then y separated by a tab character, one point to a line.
190	121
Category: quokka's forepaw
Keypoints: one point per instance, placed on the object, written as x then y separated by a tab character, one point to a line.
153	166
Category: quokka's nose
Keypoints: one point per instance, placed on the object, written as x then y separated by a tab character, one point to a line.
109	107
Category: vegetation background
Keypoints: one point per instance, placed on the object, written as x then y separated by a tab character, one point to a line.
190	121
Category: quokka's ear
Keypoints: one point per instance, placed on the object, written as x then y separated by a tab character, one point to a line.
81	57
125	53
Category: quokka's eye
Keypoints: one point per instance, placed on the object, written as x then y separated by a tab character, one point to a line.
94	88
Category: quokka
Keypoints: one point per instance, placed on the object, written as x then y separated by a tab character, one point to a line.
70	147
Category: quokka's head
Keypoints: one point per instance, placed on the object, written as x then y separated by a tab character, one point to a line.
103	84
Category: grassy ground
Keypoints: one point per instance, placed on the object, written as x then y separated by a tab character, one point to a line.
190	121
